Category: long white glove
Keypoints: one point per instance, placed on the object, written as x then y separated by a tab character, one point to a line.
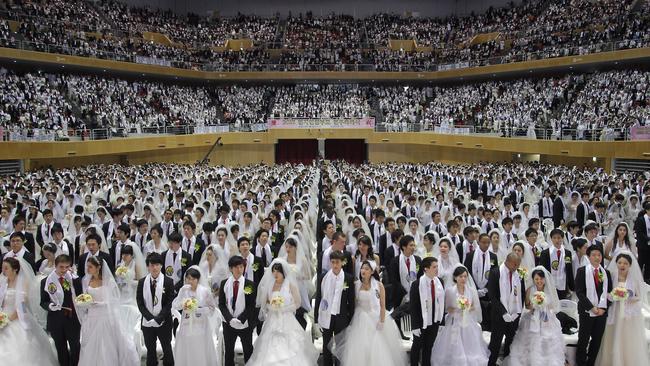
54	307
416	332
507	318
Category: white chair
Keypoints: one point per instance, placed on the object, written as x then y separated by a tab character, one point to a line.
405	324
570	308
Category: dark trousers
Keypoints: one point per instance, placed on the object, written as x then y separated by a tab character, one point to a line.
563	294
337	325
644	261
164	335
66	334
590	329
398	313
300	317
230	337
423	344
486	325
501	328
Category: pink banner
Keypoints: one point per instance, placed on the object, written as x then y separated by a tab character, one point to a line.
640	133
365	122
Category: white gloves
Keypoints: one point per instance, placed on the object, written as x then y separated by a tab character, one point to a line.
54	307
507	318
416	332
380	325
482	292
236	323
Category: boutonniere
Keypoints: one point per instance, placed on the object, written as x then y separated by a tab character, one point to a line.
345	286
197	247
248	290
493	262
417	267
601	276
344	262
66	285
523	272
169	270
184	262
256	267
555	265
567	260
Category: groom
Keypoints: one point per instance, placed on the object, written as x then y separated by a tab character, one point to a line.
57	298
334	303
506	290
593	283
237	306
154	296
427	307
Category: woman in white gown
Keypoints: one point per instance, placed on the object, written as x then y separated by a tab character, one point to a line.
22	341
539	340
127	274
447	260
282	341
624	342
194	342
460	342
369	339
214	268
103	339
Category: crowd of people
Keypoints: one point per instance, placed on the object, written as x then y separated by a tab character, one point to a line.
597	106
112	260
532	29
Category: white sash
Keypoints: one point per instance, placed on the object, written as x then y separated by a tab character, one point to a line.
174	270
240	305
480	268
154	307
330	304
407	275
425	300
510	296
592	294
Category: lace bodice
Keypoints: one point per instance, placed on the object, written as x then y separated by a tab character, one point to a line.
365	300
9	302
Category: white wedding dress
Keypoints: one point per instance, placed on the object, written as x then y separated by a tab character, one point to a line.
460	342
539	340
194	343
362	343
103	341
282	341
129	313
20	346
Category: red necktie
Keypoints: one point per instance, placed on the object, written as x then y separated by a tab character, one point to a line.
433	293
510	273
245	264
483	262
471	247
408	264
559	253
235	291
596	279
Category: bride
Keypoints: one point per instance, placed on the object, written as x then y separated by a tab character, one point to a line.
624	341
194	342
22	341
103	341
368	329
282	341
539	339
460	342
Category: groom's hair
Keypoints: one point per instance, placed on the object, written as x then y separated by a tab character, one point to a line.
426	262
62	258
154	258
235	261
594	247
336	255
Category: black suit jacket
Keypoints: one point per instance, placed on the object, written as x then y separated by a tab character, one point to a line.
250	312
470	258
346	310
39	235
389	256
558	211
545	260
415	304
165	315
56	319
81	263
494	292
581	214
584	304
186	262
199	248
641	232
29	243
398	292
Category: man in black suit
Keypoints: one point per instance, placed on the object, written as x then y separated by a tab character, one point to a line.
154	295
239	319
110	227
334	319
426	307
62	322
558	262
598	216
253	265
385	239
642	230
19	226
44	230
480	263
16	243
93	242
338	245
505	317
592	306
591	232
192	244
403	271
582	210
559	208
176	261
120	239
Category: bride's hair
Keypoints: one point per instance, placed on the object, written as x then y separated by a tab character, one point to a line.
538	272
292	242
364	239
194	273
459	271
13	263
374	274
277	267
621	255
95	263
